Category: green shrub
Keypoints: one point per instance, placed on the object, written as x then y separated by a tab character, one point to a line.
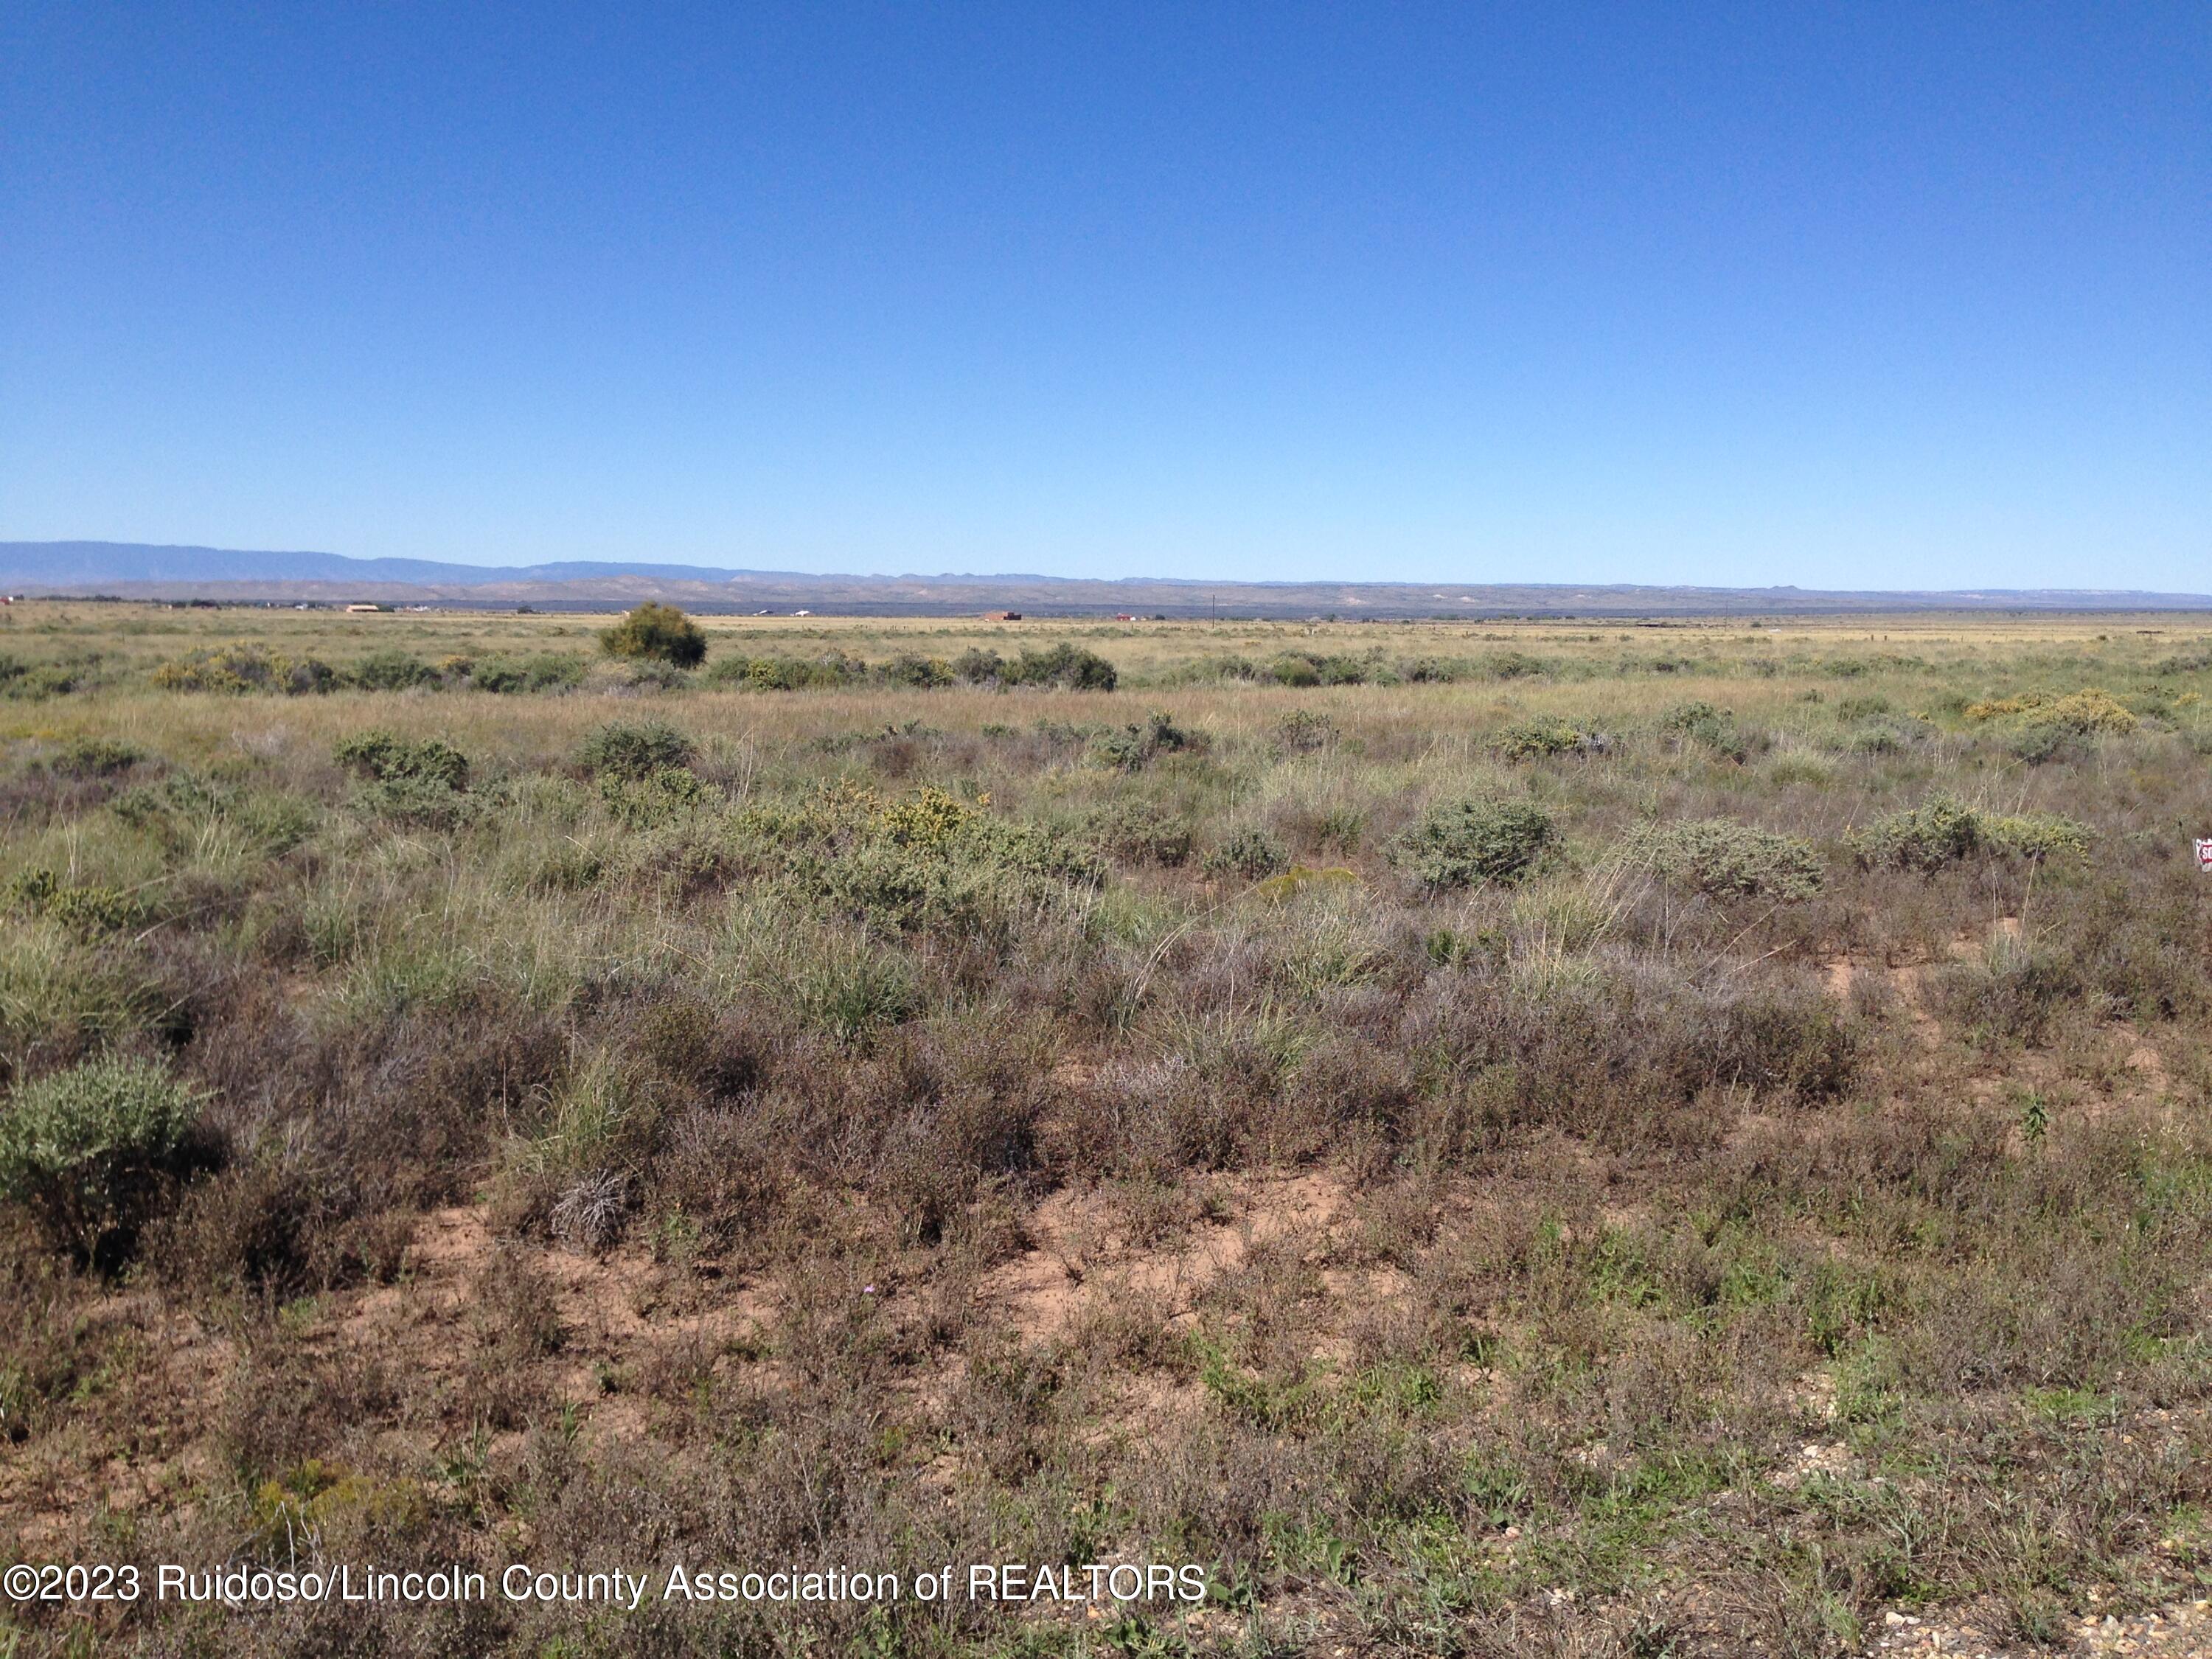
417	783
1701	722
238	668
545	672
659	631
788	673
82	910
34	682
915	672
386	758
1944	829
1538	739
979	667
1314	668
1125	750
2035	835
29	890
927	862
1736	860
1138	832
1132	747
92	757
1302	732
660	796
912	868
2087	712
1941	830
1063	665
1370	670
1437	671
2038	746
90	1149
392	671
639	672
2048	728
1882	738
635	750
1472	843
1031	853
1252	855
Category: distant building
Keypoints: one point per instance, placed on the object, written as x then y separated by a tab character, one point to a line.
364	607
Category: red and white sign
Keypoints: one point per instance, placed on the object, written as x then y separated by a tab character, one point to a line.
2204	855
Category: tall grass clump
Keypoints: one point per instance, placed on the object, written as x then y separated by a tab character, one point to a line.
61	994
855	989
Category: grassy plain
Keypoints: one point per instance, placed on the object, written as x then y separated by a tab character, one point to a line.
1573	1139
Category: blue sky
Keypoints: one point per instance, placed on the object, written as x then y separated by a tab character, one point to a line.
1910	295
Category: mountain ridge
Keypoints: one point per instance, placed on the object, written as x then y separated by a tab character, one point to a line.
146	570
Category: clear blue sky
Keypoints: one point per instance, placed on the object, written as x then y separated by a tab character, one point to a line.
1912	294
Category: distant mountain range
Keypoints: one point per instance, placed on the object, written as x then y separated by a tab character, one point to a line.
135	570
73	563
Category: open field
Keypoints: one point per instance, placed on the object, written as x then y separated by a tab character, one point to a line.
1555	1139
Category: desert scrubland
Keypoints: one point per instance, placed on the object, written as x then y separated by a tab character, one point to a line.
1568	1138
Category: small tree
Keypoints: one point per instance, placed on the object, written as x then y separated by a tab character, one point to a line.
660	631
